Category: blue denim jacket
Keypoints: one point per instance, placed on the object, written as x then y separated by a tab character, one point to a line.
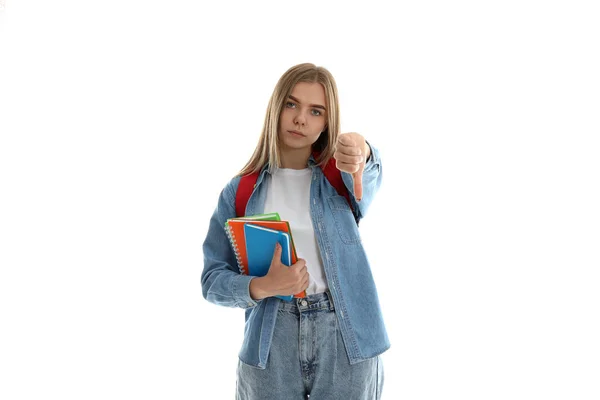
346	266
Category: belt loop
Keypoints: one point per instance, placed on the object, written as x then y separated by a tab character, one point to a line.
331	308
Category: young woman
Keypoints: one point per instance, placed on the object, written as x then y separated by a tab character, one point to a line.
326	345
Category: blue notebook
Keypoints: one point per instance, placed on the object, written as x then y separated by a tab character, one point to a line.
260	246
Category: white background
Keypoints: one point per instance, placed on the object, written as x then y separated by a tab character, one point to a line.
121	121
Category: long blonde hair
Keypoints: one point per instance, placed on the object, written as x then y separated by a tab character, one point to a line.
267	150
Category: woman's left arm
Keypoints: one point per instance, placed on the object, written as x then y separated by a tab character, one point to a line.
362	177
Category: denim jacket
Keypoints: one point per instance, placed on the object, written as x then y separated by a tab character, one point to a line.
346	266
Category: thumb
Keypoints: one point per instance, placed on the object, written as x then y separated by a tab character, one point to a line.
357	178
277	254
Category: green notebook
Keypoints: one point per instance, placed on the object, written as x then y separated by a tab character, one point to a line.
261	217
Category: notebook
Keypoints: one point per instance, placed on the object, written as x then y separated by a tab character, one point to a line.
236	231
269	216
260	246
234	228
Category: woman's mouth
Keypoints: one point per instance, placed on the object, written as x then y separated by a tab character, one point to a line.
297	134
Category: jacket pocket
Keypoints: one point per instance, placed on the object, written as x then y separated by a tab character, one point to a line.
344	220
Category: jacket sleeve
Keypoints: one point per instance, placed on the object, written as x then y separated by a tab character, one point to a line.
371	182
221	281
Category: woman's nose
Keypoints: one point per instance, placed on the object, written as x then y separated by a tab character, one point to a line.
300	118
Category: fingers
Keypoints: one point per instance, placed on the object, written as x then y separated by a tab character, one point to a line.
348	162
300	264
345	141
304	285
300	268
348	147
347	167
303	282
348	154
348	159
301	275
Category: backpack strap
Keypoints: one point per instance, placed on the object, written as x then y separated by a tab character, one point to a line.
333	175
245	188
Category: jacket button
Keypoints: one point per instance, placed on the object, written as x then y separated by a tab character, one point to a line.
304	302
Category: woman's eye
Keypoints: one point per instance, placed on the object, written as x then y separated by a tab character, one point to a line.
316	113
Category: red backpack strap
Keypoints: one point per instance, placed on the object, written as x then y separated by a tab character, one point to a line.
245	188
334	176
248	182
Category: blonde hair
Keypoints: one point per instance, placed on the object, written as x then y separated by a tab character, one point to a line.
267	150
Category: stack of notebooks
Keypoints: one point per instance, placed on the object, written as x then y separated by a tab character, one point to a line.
253	240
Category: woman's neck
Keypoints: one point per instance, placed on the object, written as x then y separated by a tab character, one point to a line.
295	158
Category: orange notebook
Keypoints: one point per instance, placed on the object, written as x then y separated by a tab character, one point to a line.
235	231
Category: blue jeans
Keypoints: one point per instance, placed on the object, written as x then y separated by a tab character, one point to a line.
308	357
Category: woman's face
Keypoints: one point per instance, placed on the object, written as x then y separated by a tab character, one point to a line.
303	117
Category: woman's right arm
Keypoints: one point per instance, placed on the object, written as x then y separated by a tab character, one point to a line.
222	283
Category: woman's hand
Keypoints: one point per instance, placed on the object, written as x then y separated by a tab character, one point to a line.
282	280
351	154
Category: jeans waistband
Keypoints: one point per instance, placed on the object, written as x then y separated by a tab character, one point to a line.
312	302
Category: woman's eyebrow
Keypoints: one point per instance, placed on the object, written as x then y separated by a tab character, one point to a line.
310	105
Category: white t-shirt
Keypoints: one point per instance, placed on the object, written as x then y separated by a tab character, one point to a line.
289	195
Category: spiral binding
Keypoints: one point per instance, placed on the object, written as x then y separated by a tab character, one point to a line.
235	248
